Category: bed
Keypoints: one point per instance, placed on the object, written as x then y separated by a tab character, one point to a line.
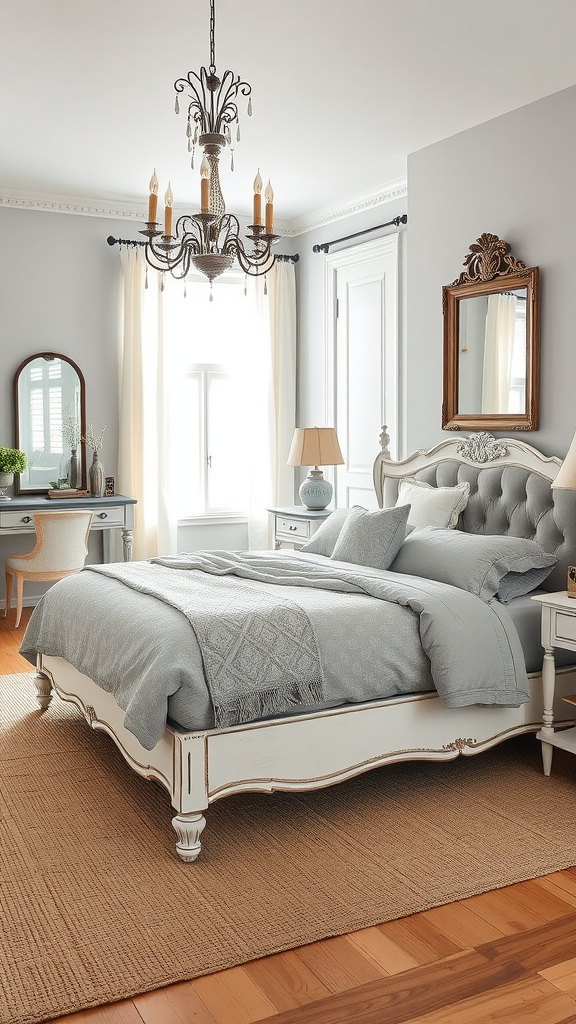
320	742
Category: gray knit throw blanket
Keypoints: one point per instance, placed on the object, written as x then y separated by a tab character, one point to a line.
258	647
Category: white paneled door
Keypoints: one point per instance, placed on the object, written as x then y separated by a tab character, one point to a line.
363	352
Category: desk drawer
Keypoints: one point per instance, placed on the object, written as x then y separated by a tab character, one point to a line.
16	521
565	626
290	528
113	516
108	516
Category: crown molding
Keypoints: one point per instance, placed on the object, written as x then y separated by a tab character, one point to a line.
356	204
127	209
124	209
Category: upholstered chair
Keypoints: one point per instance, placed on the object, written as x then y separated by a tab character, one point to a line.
61	549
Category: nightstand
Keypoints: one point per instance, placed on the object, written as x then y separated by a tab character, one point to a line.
296	524
558	630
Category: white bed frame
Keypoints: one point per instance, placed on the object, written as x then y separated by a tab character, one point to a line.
312	751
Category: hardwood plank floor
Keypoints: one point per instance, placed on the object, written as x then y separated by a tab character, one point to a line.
507	956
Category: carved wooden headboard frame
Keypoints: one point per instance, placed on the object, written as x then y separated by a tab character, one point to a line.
476	450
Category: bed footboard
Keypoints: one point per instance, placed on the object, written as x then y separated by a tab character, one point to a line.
299	753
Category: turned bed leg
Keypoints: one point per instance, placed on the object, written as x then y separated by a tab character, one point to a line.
188	828
43	685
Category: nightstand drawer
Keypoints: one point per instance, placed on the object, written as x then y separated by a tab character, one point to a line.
293	528
565	626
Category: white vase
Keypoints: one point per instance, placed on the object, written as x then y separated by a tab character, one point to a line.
6	480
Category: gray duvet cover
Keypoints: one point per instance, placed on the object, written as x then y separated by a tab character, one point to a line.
146	653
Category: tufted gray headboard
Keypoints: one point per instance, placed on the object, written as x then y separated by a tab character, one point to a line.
510	492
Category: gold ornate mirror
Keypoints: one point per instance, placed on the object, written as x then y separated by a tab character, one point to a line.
491	341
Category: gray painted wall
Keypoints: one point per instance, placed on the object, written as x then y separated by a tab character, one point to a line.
515	177
59	284
59	291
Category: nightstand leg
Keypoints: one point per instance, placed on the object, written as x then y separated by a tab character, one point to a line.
548	687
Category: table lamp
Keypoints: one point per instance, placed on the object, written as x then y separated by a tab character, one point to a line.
566	481
566	477
315	446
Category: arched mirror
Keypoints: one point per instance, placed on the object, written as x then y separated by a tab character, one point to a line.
491	342
49	423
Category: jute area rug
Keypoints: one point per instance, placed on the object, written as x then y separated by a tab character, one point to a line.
97	907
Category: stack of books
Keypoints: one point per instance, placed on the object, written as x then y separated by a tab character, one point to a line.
68	492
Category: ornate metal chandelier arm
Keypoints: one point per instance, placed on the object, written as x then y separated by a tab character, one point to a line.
258	270
201	99
177	265
252	263
226	107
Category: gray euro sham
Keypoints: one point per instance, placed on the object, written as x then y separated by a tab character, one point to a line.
485	565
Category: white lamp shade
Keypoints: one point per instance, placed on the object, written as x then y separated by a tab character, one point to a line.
566	478
315	446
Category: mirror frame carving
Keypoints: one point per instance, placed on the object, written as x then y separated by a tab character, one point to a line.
490	269
76	368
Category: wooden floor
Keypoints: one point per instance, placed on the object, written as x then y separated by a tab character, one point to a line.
504	956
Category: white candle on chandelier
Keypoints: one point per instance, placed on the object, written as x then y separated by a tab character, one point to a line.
269	197
168	199
257	199
205	186
153	198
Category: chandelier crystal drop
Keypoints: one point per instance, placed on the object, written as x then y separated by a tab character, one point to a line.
209	240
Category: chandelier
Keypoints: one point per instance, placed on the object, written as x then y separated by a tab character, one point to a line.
210	239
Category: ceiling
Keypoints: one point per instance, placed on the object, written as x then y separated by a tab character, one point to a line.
342	90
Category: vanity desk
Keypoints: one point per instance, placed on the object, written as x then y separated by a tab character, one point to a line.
109	513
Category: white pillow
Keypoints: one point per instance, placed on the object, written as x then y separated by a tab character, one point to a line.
433	506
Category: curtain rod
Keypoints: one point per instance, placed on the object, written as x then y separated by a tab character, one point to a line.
135	241
325	246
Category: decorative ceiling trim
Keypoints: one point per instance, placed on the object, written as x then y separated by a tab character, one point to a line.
84	207
127	209
355	204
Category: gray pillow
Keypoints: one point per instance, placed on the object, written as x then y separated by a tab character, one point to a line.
323	541
486	565
372	538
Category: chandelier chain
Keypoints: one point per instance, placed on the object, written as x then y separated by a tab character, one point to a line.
212	33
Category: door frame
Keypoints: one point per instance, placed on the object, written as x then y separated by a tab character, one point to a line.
389	245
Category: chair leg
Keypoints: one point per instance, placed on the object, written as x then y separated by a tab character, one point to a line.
8	597
19	596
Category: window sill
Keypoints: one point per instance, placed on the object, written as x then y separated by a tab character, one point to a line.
218	519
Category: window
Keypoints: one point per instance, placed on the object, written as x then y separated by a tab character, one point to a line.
210	351
46	395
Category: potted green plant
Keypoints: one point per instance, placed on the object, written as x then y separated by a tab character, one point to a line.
11	461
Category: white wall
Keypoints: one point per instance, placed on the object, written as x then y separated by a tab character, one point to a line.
514	176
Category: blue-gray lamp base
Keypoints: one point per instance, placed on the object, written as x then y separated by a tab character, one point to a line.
316	492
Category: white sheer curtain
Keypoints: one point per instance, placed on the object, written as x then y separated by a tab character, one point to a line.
272	481
146	455
144	449
498	348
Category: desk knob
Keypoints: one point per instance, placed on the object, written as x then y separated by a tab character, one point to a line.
102	515
26	519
